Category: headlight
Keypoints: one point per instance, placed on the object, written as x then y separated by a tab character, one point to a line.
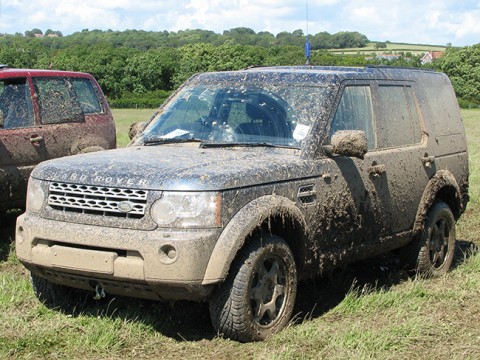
187	209
35	195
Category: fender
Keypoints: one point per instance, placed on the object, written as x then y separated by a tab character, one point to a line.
249	218
441	180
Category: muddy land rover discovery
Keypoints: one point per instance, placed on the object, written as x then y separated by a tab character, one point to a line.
246	182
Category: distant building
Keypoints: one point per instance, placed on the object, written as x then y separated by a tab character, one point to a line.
388	57
430	56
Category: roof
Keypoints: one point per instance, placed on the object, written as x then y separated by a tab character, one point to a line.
5	71
314	75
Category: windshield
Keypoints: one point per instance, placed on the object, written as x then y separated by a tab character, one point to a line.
246	114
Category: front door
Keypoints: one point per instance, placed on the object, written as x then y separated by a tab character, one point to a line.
22	143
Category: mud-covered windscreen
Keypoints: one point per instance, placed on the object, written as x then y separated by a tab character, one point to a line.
245	114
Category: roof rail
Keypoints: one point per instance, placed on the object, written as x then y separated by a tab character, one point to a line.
3	66
399	67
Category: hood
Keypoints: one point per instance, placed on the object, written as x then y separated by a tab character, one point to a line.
177	167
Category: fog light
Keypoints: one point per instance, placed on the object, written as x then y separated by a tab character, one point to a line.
168	254
19	236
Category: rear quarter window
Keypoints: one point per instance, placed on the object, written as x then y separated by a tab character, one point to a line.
443	105
87	96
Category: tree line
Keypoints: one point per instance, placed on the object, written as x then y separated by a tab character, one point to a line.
140	69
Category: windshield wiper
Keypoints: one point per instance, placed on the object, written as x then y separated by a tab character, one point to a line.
160	141
243	144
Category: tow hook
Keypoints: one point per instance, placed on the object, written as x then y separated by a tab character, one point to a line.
99	292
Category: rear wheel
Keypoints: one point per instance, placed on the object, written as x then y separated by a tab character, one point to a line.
435	247
258	296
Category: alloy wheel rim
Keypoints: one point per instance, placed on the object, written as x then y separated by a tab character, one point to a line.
268	291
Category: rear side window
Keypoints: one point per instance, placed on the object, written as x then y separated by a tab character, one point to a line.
16	109
65	100
399	121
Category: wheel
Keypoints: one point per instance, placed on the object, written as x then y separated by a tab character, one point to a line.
435	247
257	298
56	296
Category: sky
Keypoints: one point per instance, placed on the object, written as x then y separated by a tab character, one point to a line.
434	22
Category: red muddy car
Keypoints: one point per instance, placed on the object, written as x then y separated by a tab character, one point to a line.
47	114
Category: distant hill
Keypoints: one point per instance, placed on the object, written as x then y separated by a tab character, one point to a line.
372	48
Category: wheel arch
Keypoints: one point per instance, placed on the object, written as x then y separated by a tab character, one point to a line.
276	214
88	144
442	186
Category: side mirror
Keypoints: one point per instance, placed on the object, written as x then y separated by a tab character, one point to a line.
351	143
136	128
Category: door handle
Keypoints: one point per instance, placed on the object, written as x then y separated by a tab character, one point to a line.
428	160
377	169
35	139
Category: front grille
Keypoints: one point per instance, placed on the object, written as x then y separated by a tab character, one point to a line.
97	200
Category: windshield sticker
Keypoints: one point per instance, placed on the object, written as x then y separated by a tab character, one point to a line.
300	132
175	133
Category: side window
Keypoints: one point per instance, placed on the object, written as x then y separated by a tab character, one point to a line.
16	109
400	124
58	100
355	112
87	95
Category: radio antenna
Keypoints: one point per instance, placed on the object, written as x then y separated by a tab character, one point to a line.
307	43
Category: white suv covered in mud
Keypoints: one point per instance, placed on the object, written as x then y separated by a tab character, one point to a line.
246	182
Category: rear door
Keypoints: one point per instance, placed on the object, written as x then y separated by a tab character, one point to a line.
60	112
398	167
72	114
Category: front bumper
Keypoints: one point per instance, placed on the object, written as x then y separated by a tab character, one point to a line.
159	264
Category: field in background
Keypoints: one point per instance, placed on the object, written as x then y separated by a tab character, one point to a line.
384	314
391	48
124	118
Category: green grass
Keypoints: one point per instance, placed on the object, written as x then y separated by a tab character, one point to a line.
124	118
384	315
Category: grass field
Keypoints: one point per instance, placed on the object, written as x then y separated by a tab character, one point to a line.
124	118
391	47
385	315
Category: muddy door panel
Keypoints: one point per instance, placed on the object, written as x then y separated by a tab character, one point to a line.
399	178
396	165
20	151
345	217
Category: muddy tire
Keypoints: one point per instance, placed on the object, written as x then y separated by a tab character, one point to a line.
56	296
258	296
432	253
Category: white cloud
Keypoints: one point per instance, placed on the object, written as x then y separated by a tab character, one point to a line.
428	21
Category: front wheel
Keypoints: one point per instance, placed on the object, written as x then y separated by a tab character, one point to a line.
435	248
58	297
257	298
